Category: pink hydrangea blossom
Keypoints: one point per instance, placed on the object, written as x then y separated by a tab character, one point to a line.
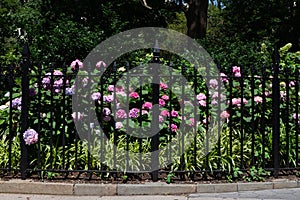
238	101
162	102
165	97
133	113
77	116
224	78
165	113
225	114
258	99
173	127
121	114
108	98
106	111
147	105
191	121
73	64
161	118
100	63
202	103
201	96
96	96
163	86
111	88
213	83
134	95
119	125
107	118
174	113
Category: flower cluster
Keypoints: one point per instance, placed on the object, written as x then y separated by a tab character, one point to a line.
58	81
30	136
16	103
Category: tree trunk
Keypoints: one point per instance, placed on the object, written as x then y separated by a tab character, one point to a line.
196	17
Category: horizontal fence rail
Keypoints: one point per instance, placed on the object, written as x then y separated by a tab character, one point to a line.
221	126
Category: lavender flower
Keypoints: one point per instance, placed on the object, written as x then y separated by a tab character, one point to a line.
16	103
30	136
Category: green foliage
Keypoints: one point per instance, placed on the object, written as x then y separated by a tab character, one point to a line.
256	174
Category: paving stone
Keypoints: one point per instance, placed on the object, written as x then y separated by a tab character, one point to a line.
285	184
155	189
28	187
205	188
255	186
95	189
226	187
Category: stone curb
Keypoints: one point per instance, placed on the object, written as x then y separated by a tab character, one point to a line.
158	188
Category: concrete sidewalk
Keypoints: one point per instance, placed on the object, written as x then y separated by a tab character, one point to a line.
275	194
29	190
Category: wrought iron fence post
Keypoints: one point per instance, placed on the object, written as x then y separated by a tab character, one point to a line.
24	111
276	113
155	114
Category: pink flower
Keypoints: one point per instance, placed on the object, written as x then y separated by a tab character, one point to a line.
202	103
213	83
145	112
238	101
134	95
214	102
77	116
173	127
111	88
96	96
192	122
165	97
133	113
162	102
224	78
174	113
238	74
295	115
147	105
165	113
201	96
119	125
258	99
30	136
106	118
163	86
106	111
121	114
108	98
236	69
119	89
292	83
100	63
73	64
225	114
161	118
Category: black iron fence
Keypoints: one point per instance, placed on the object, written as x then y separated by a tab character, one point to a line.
257	132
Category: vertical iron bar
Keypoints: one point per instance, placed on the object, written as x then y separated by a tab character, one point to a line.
252	117
155	115
297	116
287	114
24	112
242	117
263	122
276	113
11	84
